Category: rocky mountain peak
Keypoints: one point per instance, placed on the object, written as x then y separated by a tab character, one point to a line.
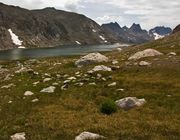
136	28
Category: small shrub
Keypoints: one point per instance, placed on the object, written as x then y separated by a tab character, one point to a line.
108	107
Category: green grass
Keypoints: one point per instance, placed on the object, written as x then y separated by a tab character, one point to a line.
65	114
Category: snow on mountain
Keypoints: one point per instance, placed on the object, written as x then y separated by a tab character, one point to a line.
15	38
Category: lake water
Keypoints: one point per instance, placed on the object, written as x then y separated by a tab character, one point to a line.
15	54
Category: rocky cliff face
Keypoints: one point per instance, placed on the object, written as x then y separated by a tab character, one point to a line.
134	34
47	27
177	29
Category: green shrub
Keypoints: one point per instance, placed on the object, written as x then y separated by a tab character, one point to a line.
108	107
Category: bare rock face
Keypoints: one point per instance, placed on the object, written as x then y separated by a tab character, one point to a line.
100	68
89	136
90	59
18	136
145	53
144	63
130	102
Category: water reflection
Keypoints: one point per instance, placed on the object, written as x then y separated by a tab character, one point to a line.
16	54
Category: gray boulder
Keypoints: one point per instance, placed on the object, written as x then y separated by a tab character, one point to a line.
89	136
145	53
91	59
130	102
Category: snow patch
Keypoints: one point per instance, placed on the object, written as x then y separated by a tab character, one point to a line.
78	42
15	38
157	36
94	30
101	37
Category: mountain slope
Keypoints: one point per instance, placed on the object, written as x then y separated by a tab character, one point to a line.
160	32
134	34
47	27
177	29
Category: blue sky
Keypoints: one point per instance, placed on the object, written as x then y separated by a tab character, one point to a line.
149	13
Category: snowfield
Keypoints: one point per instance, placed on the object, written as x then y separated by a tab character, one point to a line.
15	38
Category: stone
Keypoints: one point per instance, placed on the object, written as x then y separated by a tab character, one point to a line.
89	136
10	102
100	68
18	136
55	84
24	70
91	59
8	86
115	62
35	100
145	53
130	102
119	49
71	78
112	84
121	89
28	93
47	79
35	83
92	84
64	87
50	89
172	53
144	63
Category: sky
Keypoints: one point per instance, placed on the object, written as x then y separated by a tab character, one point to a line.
147	13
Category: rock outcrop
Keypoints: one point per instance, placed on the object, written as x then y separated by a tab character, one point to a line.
130	102
91	59
18	136
89	136
145	53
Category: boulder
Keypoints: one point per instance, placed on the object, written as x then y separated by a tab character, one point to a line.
35	100
130	102
50	89
89	136
144	63
91	59
145	53
18	136
28	93
112	84
47	80
100	68
119	49
172	53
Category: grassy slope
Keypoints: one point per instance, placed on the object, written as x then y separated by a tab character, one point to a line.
64	114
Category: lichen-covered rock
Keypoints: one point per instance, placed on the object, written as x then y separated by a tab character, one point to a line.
100	68
130	102
18	136
89	136
50	89
28	93
145	53
90	59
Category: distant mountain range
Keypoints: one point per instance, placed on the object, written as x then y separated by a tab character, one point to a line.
135	34
50	27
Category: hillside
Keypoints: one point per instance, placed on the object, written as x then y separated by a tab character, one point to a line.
47	27
74	105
